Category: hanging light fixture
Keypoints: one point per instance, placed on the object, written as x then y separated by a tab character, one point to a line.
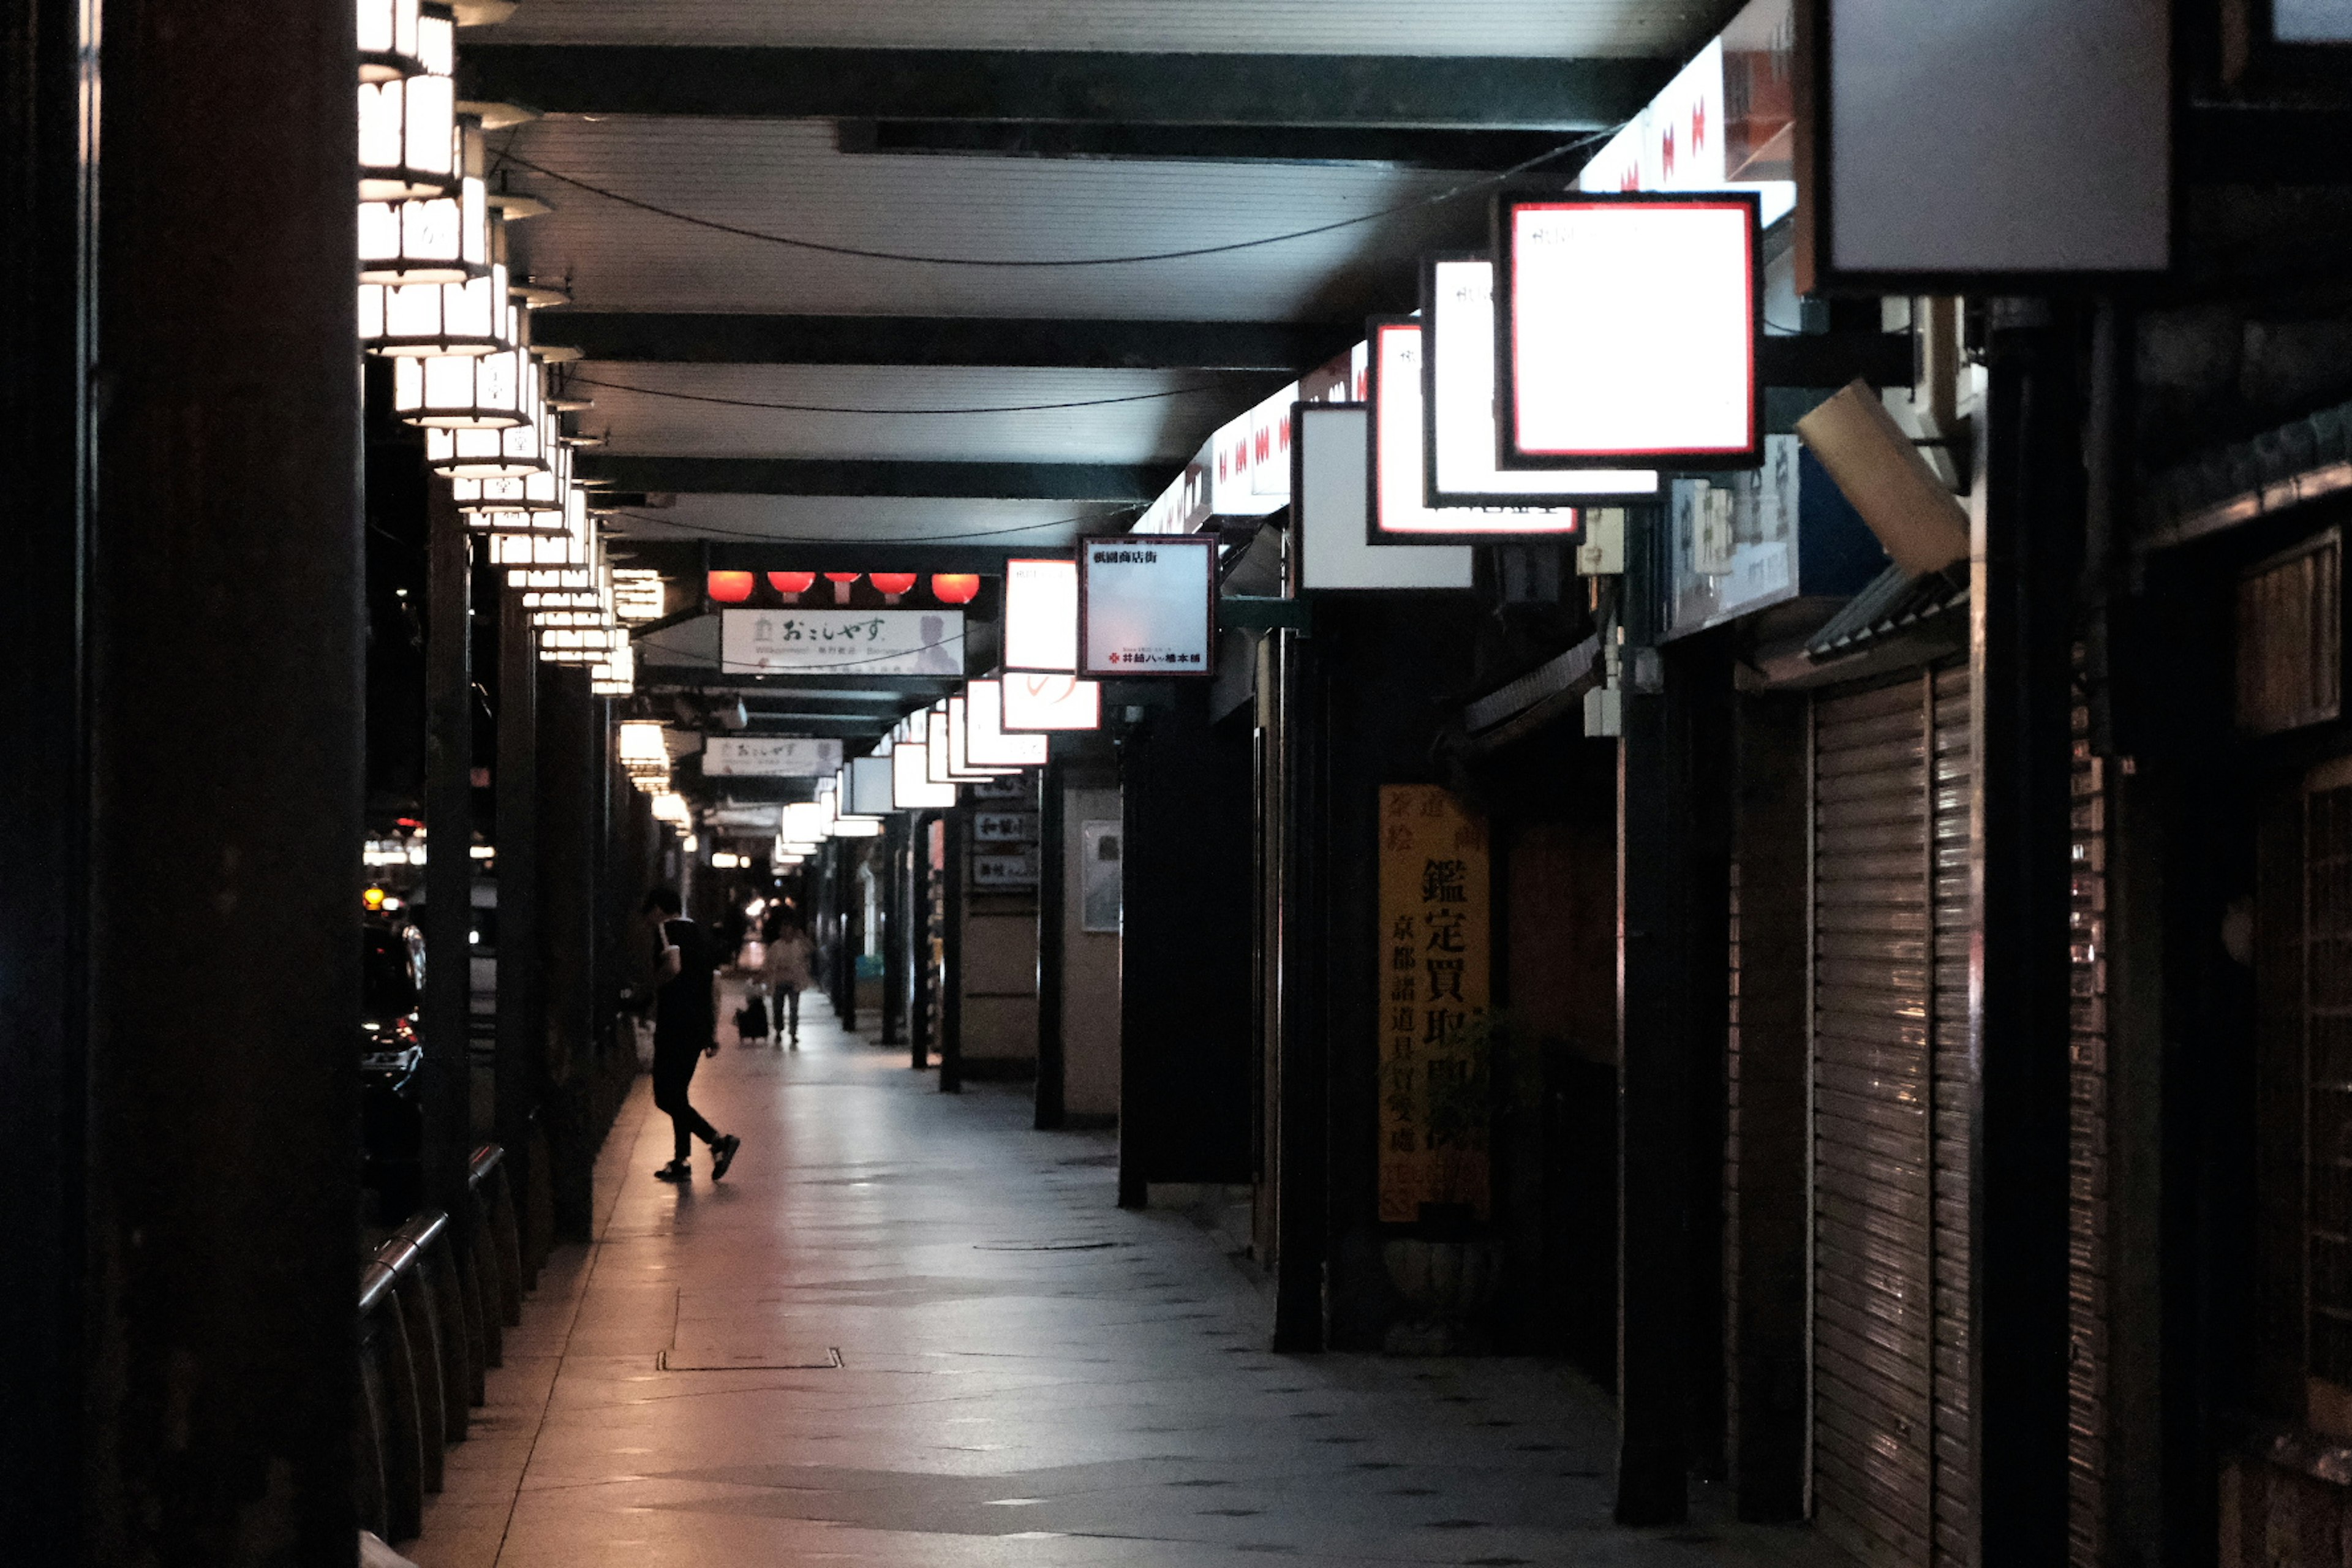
470	318
791	584
638	593
466	392
670	807
387	31
728	587
893	585
616	677
443	237
572	548
580	645
407	146
955	587
539	502
842	583
641	747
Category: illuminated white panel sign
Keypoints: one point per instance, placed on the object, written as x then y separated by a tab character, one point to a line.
1146	606
1249	467
1630	331
861	642
2312	21
869	781
935	742
985	739
1401	511
911	788
1041	702
959	758
770	756
1458	377
1332	442
1041	614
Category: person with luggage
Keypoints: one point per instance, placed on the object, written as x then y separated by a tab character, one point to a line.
790	955
685	1031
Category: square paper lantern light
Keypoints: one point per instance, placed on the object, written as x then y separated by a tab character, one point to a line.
1627	330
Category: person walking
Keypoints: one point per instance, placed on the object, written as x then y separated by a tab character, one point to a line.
686	1029
790	952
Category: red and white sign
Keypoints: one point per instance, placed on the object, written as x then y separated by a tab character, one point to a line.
1040	702
1631	326
1401	511
985	741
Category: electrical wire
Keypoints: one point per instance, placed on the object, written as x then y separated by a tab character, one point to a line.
828	408
507	155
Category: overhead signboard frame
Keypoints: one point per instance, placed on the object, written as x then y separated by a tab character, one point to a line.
985	739
1398	458
1626	328
1458	389
960	758
911	787
770	756
1147	606
1041	614
1044	704
1330	478
869	786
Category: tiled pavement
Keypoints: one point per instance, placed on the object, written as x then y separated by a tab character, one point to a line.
1026	1375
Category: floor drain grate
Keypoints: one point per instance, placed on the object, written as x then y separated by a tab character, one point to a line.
824	1360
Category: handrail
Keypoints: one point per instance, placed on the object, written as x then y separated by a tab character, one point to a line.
396	1257
486	1158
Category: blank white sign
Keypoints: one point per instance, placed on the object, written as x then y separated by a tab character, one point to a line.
1399	502
1632	329
911	788
1041	614
1145	604
1459	345
1331	504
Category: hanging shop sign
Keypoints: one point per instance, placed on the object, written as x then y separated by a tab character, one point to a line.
1048	702
861	642
1148	606
1722	123
1627	330
770	756
1041	615
1457	352
911	787
1744	540
1005	826
1401	513
1433	973
1329	443
868	781
985	741
2072	175
959	758
1005	873
1101	888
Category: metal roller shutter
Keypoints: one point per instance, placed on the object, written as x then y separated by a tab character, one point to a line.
1890	777
2087	1387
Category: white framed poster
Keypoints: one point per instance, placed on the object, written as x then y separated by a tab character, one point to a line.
854	642
1401	513
1038	703
770	756
1041	614
1626	331
1457	354
1147	606
1101	888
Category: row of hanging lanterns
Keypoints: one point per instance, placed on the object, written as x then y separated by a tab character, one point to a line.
437	297
736	587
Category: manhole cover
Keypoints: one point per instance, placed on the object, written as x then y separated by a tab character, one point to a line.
769	1359
1042	1246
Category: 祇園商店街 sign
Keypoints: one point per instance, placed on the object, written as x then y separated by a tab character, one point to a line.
1434	978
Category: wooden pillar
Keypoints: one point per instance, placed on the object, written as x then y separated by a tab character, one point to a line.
1302	1065
2027	555
895	829
951	967
518	1074
922	981
566	923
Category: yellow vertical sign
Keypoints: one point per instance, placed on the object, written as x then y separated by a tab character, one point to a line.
1435	974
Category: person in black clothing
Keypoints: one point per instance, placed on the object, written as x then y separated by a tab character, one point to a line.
685	1031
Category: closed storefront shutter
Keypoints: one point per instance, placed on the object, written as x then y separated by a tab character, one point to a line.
1891	910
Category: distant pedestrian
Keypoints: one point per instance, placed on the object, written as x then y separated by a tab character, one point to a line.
790	952
686	1029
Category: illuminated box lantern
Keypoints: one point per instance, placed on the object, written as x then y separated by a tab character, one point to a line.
406	121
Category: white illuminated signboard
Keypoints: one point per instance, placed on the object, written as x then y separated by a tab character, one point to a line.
869	790
911	788
1401	513
861	642
985	740
779	756
1457	350
1147	605
960	757
935	736
1043	702
1629	328
1041	614
1329	446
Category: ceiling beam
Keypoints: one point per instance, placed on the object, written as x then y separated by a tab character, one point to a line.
1452	148
1061	85
1274	348
1105	482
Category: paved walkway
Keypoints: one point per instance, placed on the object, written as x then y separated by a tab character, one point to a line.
909	1332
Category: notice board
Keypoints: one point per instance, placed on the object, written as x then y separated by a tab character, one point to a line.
1434	975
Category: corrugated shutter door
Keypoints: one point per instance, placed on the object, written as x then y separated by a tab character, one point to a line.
1890	1173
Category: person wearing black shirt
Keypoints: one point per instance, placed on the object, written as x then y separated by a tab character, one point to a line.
685	1031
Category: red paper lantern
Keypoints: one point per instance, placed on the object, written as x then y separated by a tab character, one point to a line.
842	583
955	587
728	587
891	585
791	584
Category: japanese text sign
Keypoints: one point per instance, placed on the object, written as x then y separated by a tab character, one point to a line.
1145	604
861	642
